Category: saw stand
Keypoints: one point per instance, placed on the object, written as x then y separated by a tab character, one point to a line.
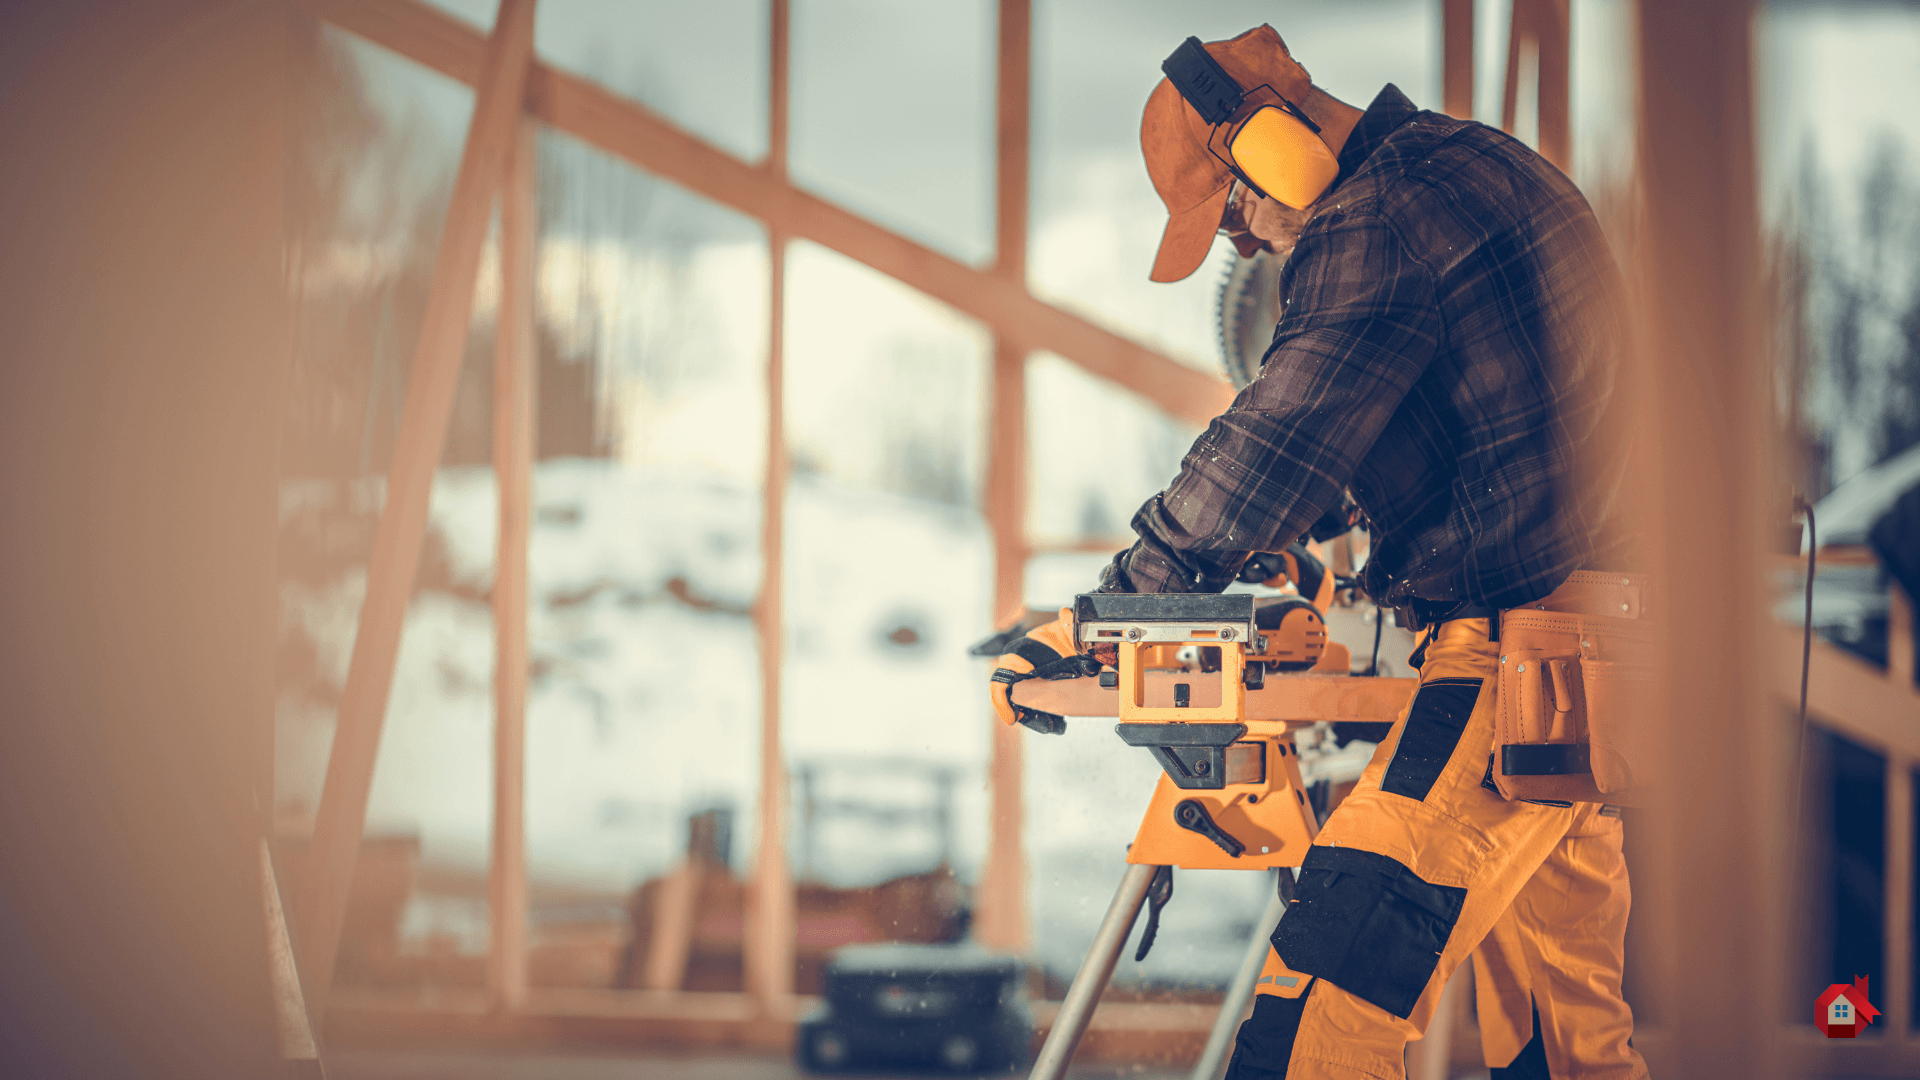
1230	795
1076	1012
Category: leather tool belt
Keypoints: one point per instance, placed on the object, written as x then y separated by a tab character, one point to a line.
1577	705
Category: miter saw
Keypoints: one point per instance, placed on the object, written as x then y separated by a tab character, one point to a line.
1215	688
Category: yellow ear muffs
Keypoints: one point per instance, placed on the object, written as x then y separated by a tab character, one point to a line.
1283	157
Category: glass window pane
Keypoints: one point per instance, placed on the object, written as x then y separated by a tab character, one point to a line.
892	115
1074	495
885	386
703	66
1096	221
643	714
374	145
478	12
888	581
1491	20
1839	147
1605	95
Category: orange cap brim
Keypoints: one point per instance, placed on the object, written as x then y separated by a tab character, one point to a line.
1189	236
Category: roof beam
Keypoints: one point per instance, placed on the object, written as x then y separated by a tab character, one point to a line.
629	130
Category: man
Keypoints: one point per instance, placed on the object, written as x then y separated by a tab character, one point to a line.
1445	354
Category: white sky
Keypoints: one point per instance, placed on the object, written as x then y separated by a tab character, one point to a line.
1844	78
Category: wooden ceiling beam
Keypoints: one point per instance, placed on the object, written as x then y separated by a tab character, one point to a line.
627	129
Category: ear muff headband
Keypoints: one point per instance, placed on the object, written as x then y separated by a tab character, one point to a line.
1202	81
1266	141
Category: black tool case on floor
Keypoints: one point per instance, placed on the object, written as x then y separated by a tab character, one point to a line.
947	1009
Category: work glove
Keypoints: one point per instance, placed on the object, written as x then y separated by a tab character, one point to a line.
1048	651
1296	564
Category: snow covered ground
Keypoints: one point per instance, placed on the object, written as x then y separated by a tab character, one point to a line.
645	699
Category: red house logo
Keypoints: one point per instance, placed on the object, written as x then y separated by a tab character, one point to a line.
1843	1010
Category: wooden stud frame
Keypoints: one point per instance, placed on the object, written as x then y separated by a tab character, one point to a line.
997	296
769	946
500	79
1456	66
1001	897
1717	910
627	129
1878	709
514	389
1547	26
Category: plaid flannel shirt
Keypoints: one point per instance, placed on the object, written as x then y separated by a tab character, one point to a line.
1445	353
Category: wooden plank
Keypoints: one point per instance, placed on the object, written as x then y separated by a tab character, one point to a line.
629	130
1840	555
559	1018
1896	1004
1518	30
513	430
1707	490
1552	30
1013	111
670	940
1456	33
769	945
1547	24
396	546
1302	698
1829	557
1000	899
1163	1034
292	1021
1847	694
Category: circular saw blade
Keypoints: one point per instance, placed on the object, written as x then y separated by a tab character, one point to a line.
1245	313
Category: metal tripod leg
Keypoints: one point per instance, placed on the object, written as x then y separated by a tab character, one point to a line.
1240	990
1077	1010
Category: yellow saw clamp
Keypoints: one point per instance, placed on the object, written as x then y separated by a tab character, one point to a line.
1213	686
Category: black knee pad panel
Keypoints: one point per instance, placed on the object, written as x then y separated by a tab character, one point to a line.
1368	925
1265	1043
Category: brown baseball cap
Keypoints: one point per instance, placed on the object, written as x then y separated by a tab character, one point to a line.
1190	180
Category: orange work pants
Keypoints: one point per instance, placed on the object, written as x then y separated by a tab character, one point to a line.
1423	865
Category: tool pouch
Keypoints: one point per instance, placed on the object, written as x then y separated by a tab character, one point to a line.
1576	701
